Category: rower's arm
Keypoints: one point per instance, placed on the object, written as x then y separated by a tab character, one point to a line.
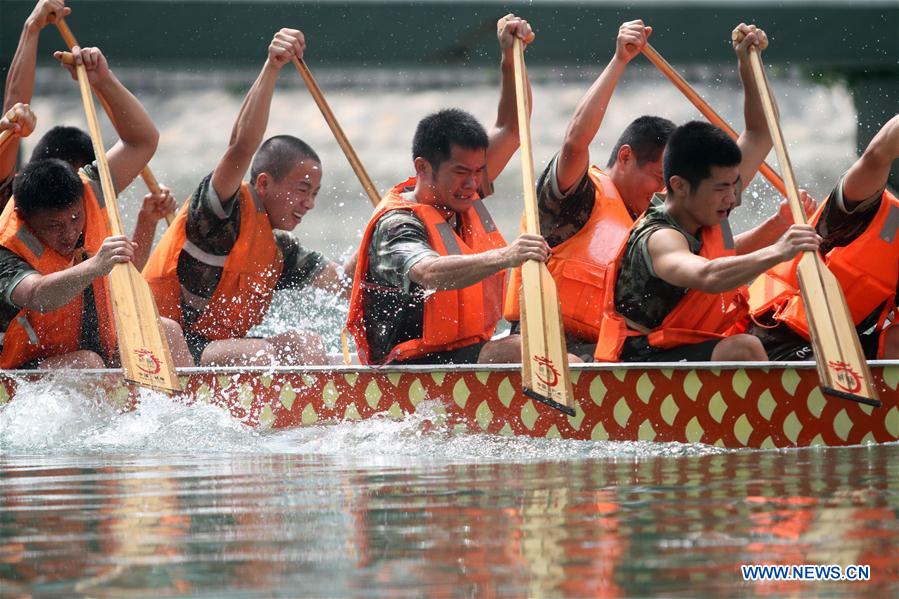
458	272
333	279
20	78
504	133
138	136
868	175
49	292
252	120
755	141
674	263
154	208
588	114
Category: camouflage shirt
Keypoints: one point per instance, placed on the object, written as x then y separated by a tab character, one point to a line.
640	296
564	213
213	226
13	268
394	305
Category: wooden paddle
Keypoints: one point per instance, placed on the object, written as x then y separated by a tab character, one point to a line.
143	347
680	83
544	357
367	184
5	137
146	174
841	363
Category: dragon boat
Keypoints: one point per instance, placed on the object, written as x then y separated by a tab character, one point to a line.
732	405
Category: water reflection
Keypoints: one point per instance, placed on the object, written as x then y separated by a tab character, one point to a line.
264	524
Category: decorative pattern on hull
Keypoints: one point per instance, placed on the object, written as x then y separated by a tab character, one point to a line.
753	406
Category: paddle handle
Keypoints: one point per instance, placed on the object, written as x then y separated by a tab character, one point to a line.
146	174
344	143
707	111
780	146
153	185
531	215
5	137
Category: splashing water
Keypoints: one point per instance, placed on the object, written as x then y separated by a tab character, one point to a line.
59	415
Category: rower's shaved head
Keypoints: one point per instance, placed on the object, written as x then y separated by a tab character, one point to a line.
646	136
279	155
436	133
66	143
49	184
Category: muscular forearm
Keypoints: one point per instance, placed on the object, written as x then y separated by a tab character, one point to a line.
19	88
504	138
753	112
248	131
725	274
131	120
592	107
49	292
457	272
20	79
144	232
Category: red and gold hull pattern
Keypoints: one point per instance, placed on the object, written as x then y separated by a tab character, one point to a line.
726	405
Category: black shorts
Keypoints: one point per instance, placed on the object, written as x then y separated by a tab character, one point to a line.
784	345
637	349
464	355
196	345
575	345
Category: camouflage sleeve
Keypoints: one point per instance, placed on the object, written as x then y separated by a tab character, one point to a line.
563	213
398	243
213	224
301	266
12	270
838	220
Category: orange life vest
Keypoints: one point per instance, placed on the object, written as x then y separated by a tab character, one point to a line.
867	269
453	318
250	272
580	264
34	335
697	317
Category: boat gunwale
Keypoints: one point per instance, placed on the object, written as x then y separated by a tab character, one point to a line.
425	368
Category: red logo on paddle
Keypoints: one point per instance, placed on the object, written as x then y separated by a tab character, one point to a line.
151	364
546	371
846	377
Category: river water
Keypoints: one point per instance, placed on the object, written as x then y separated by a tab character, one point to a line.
176	500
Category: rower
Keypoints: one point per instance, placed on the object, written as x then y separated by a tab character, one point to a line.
229	248
429	281
586	211
859	222
69	144
56	248
679	285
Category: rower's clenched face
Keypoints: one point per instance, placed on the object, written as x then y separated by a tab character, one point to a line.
715	197
59	229
287	201
456	181
641	182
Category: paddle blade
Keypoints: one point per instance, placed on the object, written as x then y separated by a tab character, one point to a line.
840	360
544	356
143	347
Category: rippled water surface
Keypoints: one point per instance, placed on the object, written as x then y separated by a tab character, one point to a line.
174	500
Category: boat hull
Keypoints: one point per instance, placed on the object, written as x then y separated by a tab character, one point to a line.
726	405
